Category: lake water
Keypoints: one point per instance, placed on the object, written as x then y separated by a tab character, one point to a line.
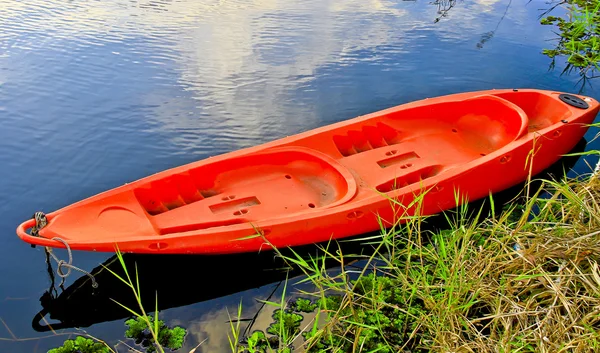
94	94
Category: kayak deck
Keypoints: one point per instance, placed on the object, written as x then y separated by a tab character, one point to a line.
320	178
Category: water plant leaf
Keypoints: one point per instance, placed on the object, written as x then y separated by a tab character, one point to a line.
81	345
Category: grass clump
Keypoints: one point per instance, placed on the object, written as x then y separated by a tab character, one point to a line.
379	311
521	278
257	342
147	330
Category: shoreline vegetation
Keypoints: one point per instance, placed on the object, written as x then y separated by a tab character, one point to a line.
523	278
520	276
578	37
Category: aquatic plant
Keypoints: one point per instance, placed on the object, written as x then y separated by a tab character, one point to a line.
81	345
303	305
283	330
578	37
171	338
148	330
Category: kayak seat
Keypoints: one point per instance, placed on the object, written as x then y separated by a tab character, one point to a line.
542	110
271	183
404	148
481	124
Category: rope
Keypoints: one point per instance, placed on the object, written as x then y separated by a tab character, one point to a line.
40	222
68	265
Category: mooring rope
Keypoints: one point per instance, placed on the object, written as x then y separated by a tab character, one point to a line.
68	265
40	222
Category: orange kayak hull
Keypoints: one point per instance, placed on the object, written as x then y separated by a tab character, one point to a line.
332	182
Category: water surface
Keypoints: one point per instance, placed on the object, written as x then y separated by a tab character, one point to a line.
95	94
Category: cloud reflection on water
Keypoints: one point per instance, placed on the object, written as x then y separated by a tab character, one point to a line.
246	72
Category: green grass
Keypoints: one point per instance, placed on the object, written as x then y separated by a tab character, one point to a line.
521	278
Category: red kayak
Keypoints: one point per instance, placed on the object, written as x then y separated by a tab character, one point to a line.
329	183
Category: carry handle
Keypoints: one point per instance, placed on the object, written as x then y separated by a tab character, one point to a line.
22	233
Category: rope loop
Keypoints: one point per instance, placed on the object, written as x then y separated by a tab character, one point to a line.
68	264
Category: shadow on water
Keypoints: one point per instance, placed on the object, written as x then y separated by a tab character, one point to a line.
81	305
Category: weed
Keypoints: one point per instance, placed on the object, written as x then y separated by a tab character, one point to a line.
148	330
171	338
579	37
81	345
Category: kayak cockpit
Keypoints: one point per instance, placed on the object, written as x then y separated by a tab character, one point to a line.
270	184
